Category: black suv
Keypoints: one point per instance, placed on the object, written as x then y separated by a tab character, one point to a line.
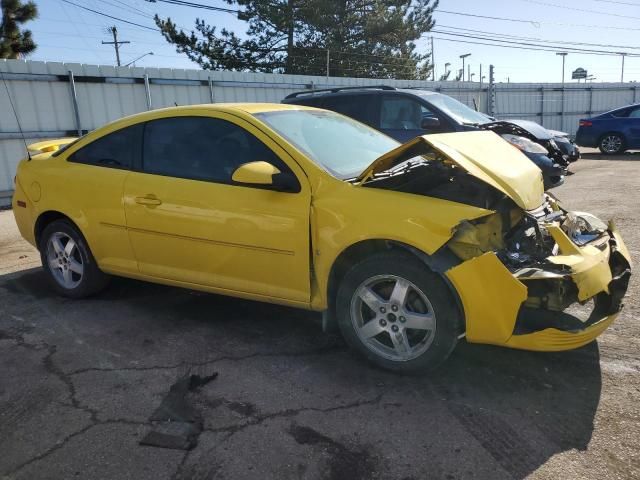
406	113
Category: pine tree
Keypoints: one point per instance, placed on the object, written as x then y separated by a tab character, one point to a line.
364	38
13	42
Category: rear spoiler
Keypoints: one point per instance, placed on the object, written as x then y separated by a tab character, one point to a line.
50	145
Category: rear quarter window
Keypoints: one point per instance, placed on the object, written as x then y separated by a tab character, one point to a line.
114	150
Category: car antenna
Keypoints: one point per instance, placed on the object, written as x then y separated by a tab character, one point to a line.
15	114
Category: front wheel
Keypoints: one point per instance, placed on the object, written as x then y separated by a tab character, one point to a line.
398	313
68	261
612	144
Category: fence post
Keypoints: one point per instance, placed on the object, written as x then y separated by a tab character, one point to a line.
211	95
562	111
492	93
542	106
147	91
74	98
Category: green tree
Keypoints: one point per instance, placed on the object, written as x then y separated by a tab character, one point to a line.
364	38
13	42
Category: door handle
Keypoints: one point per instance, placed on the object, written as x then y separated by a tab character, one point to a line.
148	200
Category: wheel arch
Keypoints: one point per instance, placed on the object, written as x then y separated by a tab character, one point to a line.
613	132
46	218
439	262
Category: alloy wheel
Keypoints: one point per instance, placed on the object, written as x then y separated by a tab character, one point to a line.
393	317
611	143
65	260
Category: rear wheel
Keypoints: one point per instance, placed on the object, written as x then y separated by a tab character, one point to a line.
612	144
68	262
397	313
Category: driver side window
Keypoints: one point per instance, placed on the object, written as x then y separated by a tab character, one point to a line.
201	148
401	113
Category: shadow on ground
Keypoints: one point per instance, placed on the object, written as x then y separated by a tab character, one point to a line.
295	401
635	155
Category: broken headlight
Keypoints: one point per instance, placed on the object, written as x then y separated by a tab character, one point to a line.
524	144
583	227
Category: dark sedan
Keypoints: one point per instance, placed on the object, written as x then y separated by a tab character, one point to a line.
612	132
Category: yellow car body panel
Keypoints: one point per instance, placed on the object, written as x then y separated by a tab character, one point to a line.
554	340
281	247
343	218
490	307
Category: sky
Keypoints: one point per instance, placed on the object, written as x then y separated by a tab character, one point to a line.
67	33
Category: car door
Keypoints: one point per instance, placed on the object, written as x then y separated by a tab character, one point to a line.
633	128
188	222
99	170
401	117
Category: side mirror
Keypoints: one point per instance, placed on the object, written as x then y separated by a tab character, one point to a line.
263	174
429	122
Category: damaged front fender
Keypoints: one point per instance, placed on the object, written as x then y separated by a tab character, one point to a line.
520	292
490	296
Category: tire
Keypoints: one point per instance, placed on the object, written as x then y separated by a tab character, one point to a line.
375	323
612	144
68	262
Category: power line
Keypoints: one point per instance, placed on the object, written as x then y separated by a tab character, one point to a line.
128	8
619	3
184	3
516	37
109	16
535	23
546	4
529	44
520	47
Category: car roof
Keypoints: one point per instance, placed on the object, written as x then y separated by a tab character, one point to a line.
621	108
250	108
346	91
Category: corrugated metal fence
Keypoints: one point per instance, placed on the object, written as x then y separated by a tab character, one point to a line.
55	99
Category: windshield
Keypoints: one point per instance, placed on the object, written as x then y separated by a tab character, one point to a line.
457	110
342	146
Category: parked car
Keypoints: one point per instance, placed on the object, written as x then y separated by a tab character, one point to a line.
406	113
406	248
612	132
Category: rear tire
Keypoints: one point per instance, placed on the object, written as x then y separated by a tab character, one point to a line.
397	313
612	144
68	262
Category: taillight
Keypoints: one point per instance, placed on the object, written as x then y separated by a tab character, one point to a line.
585	123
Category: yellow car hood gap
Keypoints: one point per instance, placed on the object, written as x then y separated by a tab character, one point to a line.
482	154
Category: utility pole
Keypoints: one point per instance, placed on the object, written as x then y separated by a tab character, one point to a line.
480	75
622	54
463	57
468	73
563	55
114	31
433	63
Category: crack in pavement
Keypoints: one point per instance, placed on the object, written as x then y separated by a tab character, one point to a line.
291	412
57	372
231	358
259	419
65	378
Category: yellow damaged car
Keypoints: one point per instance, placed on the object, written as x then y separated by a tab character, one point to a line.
406	248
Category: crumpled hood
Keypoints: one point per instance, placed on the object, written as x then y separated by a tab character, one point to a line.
482	154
